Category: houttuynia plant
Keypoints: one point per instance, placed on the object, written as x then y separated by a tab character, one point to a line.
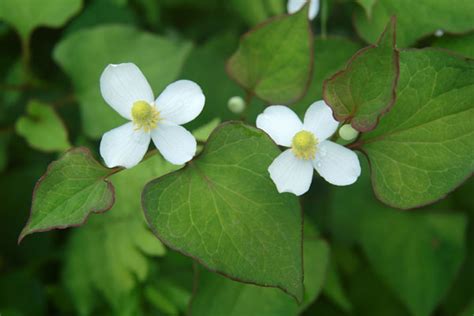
242	157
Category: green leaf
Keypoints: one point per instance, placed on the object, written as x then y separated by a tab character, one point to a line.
330	55
334	290
30	14
274	60
43	128
365	89
110	254
413	22
72	188
463	45
84	55
217	295
202	133
418	255
422	149
224	210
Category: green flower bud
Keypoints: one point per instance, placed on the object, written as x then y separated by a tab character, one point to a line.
347	132
236	105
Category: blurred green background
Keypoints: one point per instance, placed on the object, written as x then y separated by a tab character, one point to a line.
379	261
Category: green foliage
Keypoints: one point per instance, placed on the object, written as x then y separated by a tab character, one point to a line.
416	19
223	210
84	55
30	14
43	128
277	78
422	246
242	241
108	255
71	189
428	247
432	117
217	295
330	55
463	45
365	89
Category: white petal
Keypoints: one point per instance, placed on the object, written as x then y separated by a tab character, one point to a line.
319	120
295	5
280	123
336	164
180	102
124	146
174	142
291	174
123	84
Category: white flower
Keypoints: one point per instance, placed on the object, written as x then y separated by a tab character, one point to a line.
296	5
292	170
126	90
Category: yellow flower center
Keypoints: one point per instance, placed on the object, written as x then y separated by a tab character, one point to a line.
304	145
145	116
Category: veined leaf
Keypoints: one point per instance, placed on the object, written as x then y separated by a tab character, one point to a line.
217	295
423	148
110	254
274	60
413	22
72	188
223	210
365	89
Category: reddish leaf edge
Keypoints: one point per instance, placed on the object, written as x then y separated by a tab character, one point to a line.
85	151
382	200
299	300
347	118
250	91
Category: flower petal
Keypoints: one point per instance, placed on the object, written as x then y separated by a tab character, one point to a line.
319	120
295	5
123	84
124	146
174	142
180	102
336	164
291	174
280	123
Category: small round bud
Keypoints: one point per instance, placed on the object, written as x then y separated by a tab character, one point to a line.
347	132
236	105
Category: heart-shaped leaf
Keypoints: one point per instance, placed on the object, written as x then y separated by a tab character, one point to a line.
223	210
274	61
365	89
423	148
72	188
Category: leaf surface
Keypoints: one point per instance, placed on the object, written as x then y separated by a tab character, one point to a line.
274	60
365	89
423	148
223	210
72	188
